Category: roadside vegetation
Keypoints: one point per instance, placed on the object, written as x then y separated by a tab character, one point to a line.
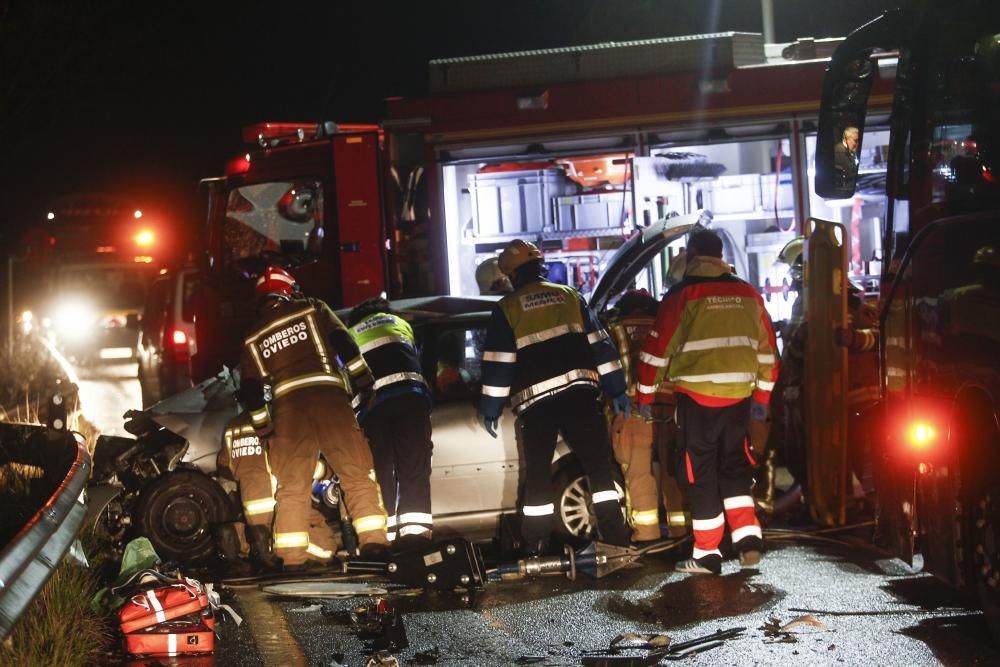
59	627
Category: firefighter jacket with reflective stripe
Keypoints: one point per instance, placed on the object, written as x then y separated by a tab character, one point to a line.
245	454
629	333
297	344
543	339
389	348
714	337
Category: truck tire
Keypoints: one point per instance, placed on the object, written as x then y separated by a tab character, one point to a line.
175	512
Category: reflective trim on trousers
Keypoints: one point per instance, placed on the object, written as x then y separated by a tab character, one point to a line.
677	518
414	530
746	531
495	392
697	553
500	357
416	517
604	496
538	510
709	524
737	502
398	377
355	364
609	367
390	522
596	336
258	506
764	385
319	552
546	386
653	360
548	334
646	388
299	540
367	524
645	517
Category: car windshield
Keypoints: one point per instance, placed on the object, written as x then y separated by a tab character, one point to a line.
281	219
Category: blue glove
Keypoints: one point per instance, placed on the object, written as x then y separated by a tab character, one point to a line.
490	424
758	411
622	405
646	411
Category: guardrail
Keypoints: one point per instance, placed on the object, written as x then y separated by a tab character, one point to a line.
27	562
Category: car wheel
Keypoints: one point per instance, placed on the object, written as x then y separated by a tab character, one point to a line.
986	535
574	513
175	513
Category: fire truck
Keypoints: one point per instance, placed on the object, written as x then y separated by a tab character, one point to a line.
937	457
91	262
574	148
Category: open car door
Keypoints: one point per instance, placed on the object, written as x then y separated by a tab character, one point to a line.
826	371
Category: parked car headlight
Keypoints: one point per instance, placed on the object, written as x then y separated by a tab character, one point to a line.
73	319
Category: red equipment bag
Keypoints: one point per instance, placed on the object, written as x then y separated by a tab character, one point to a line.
161	641
165	603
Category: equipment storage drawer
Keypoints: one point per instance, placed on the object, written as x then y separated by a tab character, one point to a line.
786	199
589	211
733	194
516	202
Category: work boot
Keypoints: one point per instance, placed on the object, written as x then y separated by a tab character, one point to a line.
261	553
711	564
750	550
227	550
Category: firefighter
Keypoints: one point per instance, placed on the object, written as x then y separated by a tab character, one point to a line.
300	366
243	459
546	351
634	436
714	338
490	279
398	421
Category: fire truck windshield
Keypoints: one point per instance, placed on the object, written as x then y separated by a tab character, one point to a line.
277	221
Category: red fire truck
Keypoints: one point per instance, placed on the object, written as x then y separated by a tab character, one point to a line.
938	451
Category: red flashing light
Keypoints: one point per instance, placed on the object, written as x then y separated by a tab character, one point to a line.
145	238
182	352
921	435
180	338
238	165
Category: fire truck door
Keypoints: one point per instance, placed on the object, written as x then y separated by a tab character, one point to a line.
826	371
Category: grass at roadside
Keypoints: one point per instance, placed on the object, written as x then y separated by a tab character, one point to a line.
58	628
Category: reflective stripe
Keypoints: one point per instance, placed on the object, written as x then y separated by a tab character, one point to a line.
697	553
736	502
252	339
502	357
676	518
398	377
604	496
653	333
538	510
546	386
714	343
319	470
609	367
307	381
259	416
366	524
171	644
259	506
645	517
324	358
496	392
895	341
416	517
746	531
291	540
391	535
765	358
390	522
548	334
255	353
764	385
708	524
653	360
718	377
356	364
319	552
596	336
646	388
154	603
384	340
414	530
895	372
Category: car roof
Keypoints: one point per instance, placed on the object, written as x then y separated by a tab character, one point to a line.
443	309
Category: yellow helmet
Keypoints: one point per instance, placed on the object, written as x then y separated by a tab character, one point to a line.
517	253
793	254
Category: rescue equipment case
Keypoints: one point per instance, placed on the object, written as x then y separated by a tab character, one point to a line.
169	620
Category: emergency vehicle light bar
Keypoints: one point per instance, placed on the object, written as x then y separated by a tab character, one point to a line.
268	135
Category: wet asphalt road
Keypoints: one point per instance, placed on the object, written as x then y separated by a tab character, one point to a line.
106	392
876	611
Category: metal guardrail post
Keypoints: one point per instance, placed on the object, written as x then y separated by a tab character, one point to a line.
27	562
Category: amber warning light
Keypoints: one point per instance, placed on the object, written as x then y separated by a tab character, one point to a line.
145	238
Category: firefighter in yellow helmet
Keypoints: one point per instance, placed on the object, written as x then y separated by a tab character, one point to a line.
547	353
633	436
300	368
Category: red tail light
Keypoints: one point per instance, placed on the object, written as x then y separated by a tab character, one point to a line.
179	340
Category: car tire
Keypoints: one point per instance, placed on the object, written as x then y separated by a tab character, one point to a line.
175	512
574	513
986	554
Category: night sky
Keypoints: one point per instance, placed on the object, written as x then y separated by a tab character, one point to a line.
143	99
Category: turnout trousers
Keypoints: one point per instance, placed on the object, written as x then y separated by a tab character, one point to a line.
718	467
632	442
399	432
577	414
310	422
250	468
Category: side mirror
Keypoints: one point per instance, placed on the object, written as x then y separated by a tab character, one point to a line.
132	321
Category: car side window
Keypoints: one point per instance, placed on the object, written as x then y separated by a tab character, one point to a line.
155	310
458	375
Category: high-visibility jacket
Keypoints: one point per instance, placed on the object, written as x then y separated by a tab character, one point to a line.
297	344
389	348
629	334
541	340
714	337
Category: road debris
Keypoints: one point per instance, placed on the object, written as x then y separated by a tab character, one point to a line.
659	647
803	621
